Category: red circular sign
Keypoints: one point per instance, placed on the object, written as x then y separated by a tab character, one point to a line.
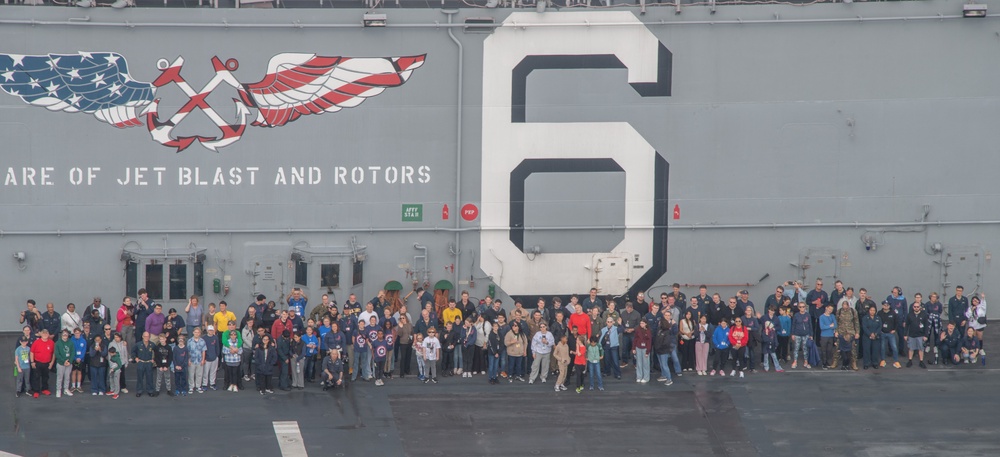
470	212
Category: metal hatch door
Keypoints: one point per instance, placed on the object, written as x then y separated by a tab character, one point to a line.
612	273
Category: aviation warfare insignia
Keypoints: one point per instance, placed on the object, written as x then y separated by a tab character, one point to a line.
295	85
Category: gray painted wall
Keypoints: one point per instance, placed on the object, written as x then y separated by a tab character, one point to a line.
770	123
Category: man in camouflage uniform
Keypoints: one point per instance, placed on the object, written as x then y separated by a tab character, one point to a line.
848	328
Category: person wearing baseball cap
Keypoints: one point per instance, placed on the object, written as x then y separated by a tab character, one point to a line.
889	330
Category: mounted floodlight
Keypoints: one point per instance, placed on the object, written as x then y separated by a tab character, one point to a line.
973	10
373	20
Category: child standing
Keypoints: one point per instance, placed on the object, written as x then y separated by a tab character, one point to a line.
432	348
182	357
580	361
561	354
380	352
22	366
418	347
769	345
784	330
114	370
595	353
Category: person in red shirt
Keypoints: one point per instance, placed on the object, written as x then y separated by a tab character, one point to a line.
581	321
739	336
42	360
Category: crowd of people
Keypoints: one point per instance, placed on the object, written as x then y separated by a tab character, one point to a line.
586	340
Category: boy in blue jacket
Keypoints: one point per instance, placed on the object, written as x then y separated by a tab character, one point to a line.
720	348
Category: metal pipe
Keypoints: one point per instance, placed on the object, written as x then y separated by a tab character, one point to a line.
85	22
288	231
458	149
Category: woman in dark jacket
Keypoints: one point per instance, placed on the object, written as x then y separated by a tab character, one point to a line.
265	357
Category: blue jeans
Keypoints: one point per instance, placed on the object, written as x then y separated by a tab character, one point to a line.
665	365
516	365
98	379
458	357
611	361
641	365
360	364
890	339
626	345
310	369
503	361
594	371
494	370
677	361
771	355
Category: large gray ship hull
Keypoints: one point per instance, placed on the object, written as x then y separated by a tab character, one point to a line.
549	154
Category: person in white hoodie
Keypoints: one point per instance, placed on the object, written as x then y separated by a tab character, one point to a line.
977	318
541	346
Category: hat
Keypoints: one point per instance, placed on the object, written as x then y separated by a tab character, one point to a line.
744	292
261	297
885	302
210	328
23	339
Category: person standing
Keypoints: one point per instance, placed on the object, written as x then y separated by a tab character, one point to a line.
232	357
642	340
143	354
702	345
404	341
64	365
432	352
42	361
264	358
22	367
211	359
888	337
196	362
182	359
98	366
541	345
915	331
871	347
163	358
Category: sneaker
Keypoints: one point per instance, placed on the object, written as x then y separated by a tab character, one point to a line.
922	364
741	375
563	388
434	380
269	391
34	395
808	366
138	394
668	383
109	393
732	373
114	397
262	392
246	378
557	388
779	370
722	373
882	364
579	389
664	378
531	382
543	380
68	393
897	365
58	394
600	389
795	364
93	393
426	381
623	365
214	388
909	363
124	390
591	388
712	373
46	392
190	391
100	393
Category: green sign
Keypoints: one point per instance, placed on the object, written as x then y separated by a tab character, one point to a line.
413	212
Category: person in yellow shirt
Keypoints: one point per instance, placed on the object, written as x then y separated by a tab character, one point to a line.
451	312
223	316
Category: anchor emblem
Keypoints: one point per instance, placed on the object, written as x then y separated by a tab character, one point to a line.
161	131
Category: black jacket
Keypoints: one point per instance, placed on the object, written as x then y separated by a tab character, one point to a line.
162	356
265	360
917	324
